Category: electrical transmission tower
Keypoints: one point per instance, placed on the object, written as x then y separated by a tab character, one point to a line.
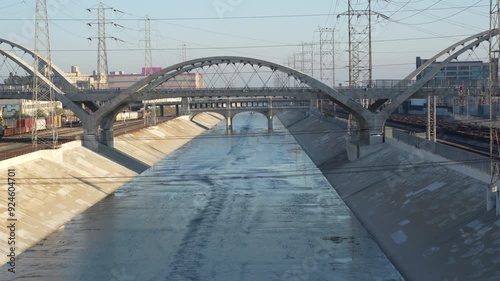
360	43
148	57
360	49
43	94
102	51
494	52
148	62
307	58
184	52
327	56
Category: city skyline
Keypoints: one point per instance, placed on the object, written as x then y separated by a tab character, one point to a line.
270	31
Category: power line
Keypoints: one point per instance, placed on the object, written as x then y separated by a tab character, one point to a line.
228	175
447	17
262	46
249	17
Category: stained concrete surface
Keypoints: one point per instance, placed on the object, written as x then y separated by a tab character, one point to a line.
250	206
53	186
427	213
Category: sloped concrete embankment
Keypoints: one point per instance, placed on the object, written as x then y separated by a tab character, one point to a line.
53	186
426	212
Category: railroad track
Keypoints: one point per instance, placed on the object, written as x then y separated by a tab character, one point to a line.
22	144
452	134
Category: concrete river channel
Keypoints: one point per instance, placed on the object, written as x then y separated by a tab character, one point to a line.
246	206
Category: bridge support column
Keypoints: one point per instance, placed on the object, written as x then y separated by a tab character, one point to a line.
90	140
177	111
493	199
185	106
370	136
107	137
270	123
373	130
313	104
229	123
162	110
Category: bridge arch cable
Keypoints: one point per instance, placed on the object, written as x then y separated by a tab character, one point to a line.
229	75
452	53
19	60
27	54
209	76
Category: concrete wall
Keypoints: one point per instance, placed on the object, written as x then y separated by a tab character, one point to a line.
155	143
53	186
426	212
478	162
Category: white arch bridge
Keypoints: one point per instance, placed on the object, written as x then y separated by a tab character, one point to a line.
229	76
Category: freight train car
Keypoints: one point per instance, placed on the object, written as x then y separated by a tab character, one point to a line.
26	125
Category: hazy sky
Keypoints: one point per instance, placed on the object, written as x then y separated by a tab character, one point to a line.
265	29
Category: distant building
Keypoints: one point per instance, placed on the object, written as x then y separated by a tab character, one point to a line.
457	71
82	81
116	80
120	80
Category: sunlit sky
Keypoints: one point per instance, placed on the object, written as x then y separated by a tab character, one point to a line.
270	30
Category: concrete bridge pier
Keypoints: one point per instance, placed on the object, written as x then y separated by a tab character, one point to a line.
107	137
270	123
162	110
493	199
90	140
185	106
313	104
229	123
90	137
374	128
370	136
177	110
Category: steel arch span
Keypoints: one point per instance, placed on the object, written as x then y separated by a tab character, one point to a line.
111	108
59	94
67	83
453	52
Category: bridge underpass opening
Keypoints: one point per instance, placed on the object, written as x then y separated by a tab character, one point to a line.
241	121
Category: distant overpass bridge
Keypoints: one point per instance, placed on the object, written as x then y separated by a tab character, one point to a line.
244	77
229	108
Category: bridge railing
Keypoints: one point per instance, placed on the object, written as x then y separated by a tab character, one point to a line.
255	104
475	85
15	88
382	84
240	89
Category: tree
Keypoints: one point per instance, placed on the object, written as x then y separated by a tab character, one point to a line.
16	116
40	113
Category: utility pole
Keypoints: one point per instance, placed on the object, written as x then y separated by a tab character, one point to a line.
102	50
493	194
43	94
